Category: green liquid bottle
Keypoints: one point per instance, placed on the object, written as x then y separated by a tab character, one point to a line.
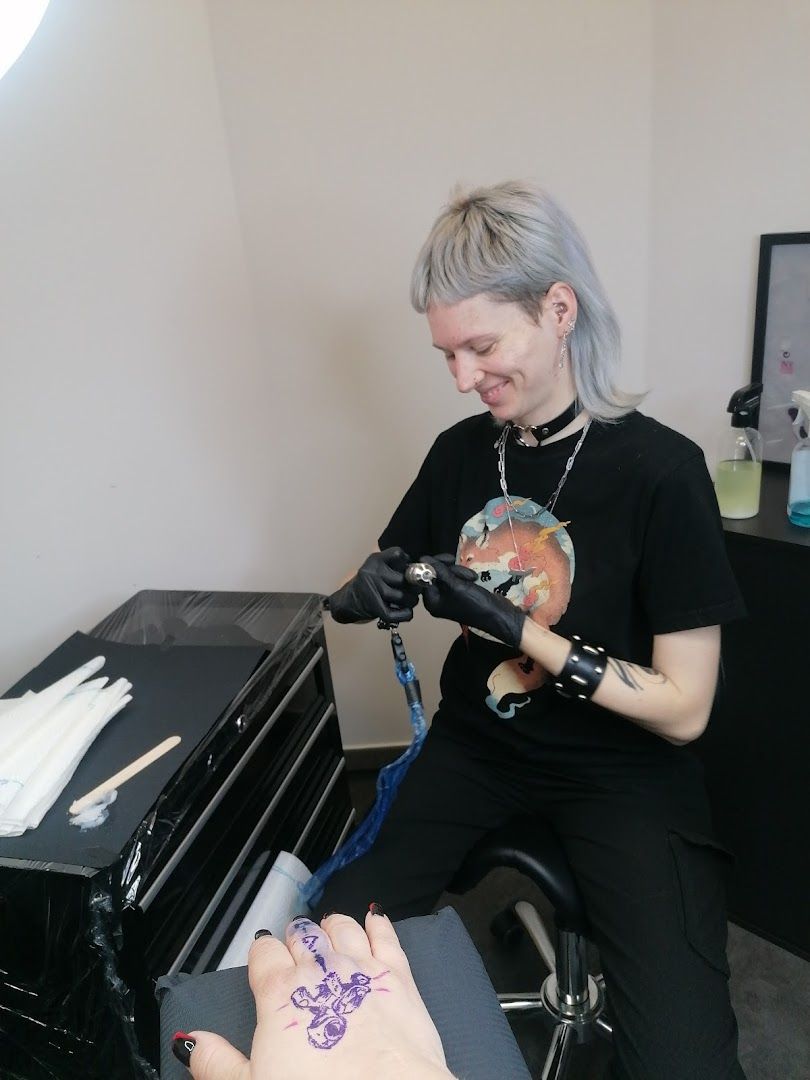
739	473
737	484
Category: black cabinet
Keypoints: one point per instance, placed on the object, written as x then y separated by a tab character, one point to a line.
756	750
86	929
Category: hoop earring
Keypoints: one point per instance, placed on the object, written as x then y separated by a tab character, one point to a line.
564	348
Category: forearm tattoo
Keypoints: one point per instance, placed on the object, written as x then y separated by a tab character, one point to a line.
634	675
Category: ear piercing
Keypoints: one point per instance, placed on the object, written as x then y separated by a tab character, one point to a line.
564	348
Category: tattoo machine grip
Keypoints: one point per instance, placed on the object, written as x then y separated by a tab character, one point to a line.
420	575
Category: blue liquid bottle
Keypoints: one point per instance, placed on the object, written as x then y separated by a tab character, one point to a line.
799	491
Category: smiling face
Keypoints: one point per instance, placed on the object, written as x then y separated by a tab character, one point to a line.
511	361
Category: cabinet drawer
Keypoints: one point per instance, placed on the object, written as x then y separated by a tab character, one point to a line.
299	811
180	924
268	741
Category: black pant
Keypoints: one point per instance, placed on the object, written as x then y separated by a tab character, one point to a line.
649	873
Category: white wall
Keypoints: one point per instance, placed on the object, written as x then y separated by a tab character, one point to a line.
731	160
126	331
211	376
349	122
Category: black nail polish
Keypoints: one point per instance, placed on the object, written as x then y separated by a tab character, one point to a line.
326	915
375	908
182	1045
295	918
262	933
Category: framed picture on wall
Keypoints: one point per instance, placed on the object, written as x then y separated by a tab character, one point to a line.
781	360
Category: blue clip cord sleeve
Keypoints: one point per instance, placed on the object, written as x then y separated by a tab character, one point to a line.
388	781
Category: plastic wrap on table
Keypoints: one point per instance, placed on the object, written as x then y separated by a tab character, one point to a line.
280	621
71	1005
172	619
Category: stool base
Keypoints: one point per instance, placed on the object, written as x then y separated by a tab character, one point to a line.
577	1011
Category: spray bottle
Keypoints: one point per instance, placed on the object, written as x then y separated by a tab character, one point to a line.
739	470
799	490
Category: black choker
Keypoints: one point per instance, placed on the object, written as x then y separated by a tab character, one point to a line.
542	432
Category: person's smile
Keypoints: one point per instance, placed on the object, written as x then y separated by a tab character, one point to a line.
492	393
509	359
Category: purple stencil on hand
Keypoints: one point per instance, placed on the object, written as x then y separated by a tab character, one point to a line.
330	1003
311	942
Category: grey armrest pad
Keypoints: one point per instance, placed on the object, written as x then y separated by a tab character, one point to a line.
478	1042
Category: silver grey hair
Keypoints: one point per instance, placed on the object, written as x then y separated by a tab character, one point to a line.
512	242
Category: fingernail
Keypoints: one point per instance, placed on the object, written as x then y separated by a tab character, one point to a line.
295	918
326	915
262	933
182	1045
375	908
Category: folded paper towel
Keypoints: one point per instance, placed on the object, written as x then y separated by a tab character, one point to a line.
44	736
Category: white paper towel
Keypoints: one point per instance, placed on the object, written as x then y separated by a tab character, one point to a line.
44	736
276	903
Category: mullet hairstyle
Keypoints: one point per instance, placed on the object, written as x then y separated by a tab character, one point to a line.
512	242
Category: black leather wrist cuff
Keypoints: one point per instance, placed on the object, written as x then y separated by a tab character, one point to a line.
583	670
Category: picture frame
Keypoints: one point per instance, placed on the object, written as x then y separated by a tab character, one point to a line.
781	353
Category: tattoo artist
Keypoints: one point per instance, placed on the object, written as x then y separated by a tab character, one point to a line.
587	570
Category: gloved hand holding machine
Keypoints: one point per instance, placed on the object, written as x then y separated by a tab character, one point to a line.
387	587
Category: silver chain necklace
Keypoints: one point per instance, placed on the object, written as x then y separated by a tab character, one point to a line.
500	445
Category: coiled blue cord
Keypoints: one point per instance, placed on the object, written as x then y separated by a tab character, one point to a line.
388	781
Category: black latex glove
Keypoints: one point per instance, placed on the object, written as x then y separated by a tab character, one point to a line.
377	591
456	595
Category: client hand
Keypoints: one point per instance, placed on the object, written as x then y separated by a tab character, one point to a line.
456	595
335	1002
377	591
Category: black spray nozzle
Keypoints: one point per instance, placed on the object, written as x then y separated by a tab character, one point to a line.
744	404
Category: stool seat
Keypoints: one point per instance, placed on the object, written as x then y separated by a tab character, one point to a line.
530	846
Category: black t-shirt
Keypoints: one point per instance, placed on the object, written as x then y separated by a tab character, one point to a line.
633	548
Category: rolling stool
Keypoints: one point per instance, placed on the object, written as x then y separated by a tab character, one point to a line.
570	997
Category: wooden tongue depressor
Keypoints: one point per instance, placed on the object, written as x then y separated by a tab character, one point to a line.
124	774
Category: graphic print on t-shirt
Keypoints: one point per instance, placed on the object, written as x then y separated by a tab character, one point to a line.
526	555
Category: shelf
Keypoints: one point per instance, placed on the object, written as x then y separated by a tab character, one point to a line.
771	523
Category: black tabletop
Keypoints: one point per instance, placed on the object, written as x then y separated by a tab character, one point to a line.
176	691
187	654
771	523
